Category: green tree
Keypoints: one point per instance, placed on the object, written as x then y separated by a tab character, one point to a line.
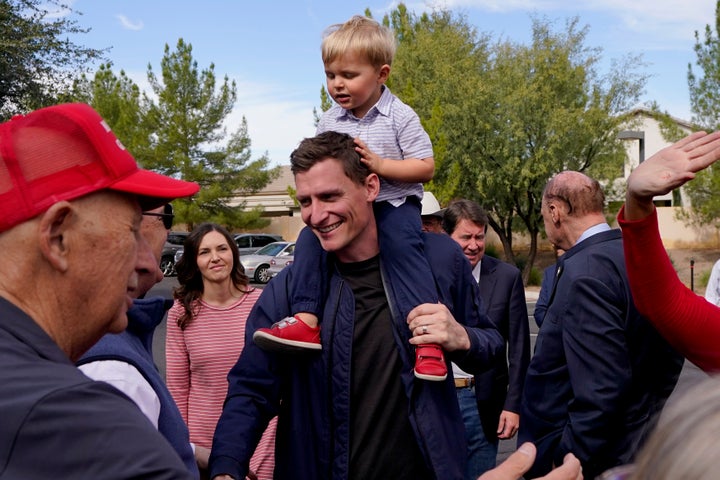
704	88
504	116
438	71
37	59
188	141
325	104
120	102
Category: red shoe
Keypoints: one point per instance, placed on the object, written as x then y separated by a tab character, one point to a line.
287	336
430	362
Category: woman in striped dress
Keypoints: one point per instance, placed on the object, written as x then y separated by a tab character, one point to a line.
206	333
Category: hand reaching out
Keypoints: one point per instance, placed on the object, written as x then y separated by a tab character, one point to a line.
671	167
520	462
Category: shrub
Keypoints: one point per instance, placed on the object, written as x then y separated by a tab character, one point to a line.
704	278
492	250
535	277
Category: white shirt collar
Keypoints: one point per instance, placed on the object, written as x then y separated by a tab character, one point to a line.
594	230
476	271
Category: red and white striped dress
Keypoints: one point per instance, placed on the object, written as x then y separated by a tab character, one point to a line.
198	361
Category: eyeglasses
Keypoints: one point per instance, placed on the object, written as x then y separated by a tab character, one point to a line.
167	216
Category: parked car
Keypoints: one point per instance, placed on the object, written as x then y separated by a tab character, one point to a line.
174	243
257	264
252	242
278	263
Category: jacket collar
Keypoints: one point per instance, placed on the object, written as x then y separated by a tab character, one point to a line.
147	313
21	326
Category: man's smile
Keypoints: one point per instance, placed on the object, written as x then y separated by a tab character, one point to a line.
328	228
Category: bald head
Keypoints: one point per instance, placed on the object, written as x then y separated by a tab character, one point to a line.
582	194
572	202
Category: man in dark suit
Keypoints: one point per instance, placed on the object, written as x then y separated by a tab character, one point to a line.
545	288
600	372
495	394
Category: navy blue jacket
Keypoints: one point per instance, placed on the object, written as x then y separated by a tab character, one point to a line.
544	295
600	372
503	294
134	346
311	394
57	423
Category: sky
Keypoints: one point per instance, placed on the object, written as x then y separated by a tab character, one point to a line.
271	48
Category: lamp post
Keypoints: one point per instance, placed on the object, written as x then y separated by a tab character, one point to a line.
692	275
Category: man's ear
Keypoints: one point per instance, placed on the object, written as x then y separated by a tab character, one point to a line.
555	212
52	231
372	184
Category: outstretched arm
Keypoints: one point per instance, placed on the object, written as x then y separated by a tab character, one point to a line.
668	169
687	321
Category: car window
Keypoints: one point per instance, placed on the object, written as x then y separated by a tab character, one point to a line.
243	242
176	238
262	240
271	249
290	250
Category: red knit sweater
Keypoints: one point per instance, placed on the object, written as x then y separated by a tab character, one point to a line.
686	320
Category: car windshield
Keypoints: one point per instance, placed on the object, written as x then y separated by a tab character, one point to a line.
271	249
176	238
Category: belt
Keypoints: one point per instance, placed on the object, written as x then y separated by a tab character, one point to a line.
464	382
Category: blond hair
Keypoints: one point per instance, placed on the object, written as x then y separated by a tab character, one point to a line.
684	443
361	35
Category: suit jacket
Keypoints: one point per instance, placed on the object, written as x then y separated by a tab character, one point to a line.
544	297
503	294
600	372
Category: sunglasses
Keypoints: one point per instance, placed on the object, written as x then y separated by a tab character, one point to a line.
167	216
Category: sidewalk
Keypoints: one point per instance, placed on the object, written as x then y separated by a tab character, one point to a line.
531	294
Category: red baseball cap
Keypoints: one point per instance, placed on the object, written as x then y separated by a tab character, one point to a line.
66	152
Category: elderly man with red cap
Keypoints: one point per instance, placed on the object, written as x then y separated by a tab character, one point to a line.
71	203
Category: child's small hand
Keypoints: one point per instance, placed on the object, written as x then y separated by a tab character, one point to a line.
368	157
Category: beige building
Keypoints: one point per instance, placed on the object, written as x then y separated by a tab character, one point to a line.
643	140
279	207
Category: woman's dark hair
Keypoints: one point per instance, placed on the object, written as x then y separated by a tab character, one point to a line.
191	287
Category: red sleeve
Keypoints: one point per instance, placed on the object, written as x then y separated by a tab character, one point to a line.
686	320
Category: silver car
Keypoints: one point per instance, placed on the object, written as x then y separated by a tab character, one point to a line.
252	242
278	263
257	264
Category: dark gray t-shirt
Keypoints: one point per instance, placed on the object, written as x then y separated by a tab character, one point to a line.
382	442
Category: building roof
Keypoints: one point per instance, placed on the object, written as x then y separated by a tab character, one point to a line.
280	184
274	198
